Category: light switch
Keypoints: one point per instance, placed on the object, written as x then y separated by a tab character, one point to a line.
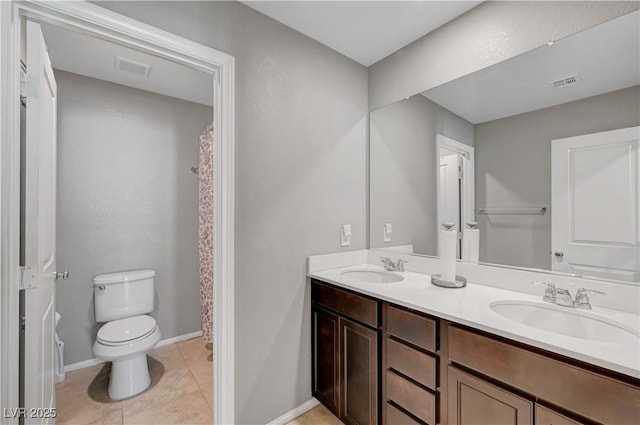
345	235
387	231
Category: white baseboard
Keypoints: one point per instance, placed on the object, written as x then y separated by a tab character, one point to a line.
83	364
292	414
178	338
161	343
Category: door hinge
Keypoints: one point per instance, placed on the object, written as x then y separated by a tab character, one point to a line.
27	277
28	87
459	172
23	323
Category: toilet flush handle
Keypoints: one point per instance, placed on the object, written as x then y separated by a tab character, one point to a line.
100	288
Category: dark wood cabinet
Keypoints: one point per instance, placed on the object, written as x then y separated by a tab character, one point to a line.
379	363
359	373
326	356
584	392
474	401
345	354
409	364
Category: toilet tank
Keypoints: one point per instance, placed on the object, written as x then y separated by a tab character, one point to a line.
123	294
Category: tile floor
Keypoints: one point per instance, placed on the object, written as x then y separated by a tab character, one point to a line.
319	415
181	392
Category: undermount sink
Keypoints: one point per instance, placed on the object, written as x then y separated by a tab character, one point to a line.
373	276
564	321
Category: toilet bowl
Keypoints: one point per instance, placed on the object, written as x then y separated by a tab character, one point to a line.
125	343
122	300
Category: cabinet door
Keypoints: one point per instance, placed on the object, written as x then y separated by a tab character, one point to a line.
359	374
326	370
474	401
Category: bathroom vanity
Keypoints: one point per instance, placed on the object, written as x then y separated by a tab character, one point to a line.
377	361
507	151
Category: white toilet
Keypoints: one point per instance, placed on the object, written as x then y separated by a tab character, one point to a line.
123	300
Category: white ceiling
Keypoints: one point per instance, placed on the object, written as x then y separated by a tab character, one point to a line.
365	31
78	53
606	57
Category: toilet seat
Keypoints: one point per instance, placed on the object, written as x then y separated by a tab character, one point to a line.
126	331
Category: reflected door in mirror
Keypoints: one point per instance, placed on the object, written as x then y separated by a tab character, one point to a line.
595	209
449	192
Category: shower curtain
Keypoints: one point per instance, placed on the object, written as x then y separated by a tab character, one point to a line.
206	190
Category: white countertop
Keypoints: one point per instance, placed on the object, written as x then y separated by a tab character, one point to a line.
471	306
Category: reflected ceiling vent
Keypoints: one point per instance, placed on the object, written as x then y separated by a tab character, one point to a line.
566	82
132	67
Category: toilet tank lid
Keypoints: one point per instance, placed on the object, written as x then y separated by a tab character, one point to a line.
126	276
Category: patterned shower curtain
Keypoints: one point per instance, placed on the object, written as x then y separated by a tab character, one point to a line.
206	189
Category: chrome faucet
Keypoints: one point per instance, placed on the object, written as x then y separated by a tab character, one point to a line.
562	296
390	266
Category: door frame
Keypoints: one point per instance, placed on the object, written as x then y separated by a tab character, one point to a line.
468	183
93	20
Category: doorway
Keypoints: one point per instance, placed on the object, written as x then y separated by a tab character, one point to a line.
93	20
455	185
129	128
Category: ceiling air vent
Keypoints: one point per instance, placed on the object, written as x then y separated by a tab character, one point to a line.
132	67
566	82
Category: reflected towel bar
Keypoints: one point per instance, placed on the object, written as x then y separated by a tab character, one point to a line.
522	211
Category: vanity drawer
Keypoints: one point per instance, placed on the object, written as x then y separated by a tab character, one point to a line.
362	309
584	392
395	416
546	416
415	364
411	327
420	402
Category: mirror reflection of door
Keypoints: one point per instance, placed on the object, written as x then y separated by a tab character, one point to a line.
449	200
595	206
455	186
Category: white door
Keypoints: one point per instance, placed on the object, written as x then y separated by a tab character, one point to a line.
39	230
449	193
595	206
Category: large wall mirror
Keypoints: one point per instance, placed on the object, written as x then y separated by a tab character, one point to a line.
541	151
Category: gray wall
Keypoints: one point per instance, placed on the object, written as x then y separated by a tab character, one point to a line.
489	33
513	168
301	170
126	200
403	185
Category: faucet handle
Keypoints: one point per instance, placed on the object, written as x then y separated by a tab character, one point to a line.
400	265
585	291
389	265
547	284
582	297
549	293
